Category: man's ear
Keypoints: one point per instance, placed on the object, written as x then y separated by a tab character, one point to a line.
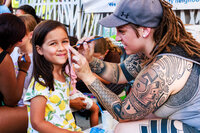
145	32
39	50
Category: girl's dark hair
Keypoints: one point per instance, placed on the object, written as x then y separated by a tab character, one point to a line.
41	67
12	30
30	10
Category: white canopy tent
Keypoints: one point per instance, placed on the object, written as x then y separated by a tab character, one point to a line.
82	16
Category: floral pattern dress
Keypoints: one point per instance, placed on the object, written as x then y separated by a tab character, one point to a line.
57	110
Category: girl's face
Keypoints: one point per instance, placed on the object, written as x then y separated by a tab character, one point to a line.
54	48
132	43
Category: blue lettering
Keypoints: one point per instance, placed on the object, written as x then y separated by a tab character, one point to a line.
171	1
112	4
183	1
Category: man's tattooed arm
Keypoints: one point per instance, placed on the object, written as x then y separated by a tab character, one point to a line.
150	90
133	64
106	70
113	73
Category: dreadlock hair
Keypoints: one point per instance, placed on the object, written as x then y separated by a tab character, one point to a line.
171	31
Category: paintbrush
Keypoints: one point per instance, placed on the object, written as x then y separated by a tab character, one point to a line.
88	41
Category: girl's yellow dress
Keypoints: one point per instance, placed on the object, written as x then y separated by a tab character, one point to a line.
57	109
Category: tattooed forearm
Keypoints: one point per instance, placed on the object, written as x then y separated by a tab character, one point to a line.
103	94
101	68
97	66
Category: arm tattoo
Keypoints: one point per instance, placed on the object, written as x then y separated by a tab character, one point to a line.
151	87
99	67
103	94
133	64
115	73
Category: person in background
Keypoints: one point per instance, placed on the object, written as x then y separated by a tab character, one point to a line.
12	119
27	9
164	62
3	8
25	48
47	97
105	50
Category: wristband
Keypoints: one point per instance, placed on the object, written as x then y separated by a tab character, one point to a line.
22	70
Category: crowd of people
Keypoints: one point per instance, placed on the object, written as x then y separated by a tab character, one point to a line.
43	77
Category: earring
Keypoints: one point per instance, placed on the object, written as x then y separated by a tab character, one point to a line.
144	35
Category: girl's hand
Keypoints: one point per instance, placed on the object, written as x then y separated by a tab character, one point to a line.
86	48
24	62
78	103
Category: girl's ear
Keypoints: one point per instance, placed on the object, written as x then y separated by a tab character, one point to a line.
39	50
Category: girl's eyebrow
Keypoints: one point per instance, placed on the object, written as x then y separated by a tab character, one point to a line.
50	41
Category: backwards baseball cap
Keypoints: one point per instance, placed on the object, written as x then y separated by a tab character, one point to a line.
147	13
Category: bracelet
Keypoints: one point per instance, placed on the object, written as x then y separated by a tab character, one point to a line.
22	70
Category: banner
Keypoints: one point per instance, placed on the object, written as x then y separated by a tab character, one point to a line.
101	6
184	4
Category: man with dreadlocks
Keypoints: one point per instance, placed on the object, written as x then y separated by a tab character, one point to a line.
164	61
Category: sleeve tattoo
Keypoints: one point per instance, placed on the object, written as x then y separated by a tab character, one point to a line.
149	91
99	67
132	66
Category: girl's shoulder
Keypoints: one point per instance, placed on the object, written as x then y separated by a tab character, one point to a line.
35	85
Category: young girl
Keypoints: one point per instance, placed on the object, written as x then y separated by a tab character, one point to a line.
47	98
25	47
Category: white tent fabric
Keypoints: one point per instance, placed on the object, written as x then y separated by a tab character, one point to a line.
84	21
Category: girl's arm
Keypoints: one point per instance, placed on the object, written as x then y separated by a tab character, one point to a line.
38	122
78	103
